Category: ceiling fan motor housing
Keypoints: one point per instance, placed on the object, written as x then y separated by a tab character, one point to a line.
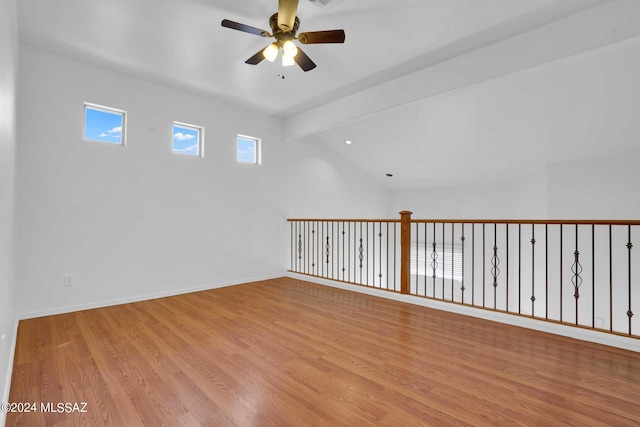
278	33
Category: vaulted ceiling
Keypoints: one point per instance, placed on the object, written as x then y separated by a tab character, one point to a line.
374	89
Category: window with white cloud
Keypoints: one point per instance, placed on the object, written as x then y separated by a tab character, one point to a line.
248	149
188	139
104	124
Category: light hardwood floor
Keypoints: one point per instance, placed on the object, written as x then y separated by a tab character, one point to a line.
289	353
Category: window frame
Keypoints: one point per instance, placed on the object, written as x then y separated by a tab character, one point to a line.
105	109
189	126
258	149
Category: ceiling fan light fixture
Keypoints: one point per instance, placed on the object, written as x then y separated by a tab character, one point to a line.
271	52
290	49
287	60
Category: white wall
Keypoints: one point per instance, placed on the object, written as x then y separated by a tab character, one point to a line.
8	66
464	202
139	221
605	187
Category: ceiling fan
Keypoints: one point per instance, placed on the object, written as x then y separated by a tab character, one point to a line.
284	25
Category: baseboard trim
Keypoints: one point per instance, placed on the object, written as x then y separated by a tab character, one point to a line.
597	337
144	297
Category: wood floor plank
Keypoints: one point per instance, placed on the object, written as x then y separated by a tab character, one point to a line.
285	352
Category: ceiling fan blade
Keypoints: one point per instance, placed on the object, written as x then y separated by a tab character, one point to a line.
304	61
331	36
256	59
287	10
245	28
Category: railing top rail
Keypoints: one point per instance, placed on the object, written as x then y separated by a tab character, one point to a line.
480	221
340	220
531	221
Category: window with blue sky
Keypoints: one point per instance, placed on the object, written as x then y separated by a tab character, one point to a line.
188	139
248	149
104	124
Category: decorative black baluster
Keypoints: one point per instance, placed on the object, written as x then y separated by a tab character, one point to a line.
380	254
519	268
313	248
453	264
546	271
610	281
484	261
443	260
462	260
561	301
495	261
629	247
473	264
506	230
425	259
335	259
343	251
299	249
360	253
305	262
320	248
292	234
367	252
417	259
395	256
533	270
576	279
387	252
593	275
373	254
434	259
434	263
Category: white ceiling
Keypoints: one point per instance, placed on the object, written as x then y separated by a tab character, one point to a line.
396	53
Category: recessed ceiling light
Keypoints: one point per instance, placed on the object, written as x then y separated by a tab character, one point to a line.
348	141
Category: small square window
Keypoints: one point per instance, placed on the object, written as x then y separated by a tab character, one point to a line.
248	150
104	124
188	139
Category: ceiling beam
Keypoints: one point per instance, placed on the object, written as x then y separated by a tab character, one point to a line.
609	22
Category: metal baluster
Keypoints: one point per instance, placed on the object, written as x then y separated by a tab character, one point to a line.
360	250
313	248
495	261
434	259
610	281
425	259
629	247
533	270
453	264
576	269
373	254
417	260
473	263
506	229
380	253
395	256
443	259
593	275
519	268
367	252
546	271
484	250
343	251
462	269
561	301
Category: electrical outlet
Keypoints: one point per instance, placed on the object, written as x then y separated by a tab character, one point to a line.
69	280
265	259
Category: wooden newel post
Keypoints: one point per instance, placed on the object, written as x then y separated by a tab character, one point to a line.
405	251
